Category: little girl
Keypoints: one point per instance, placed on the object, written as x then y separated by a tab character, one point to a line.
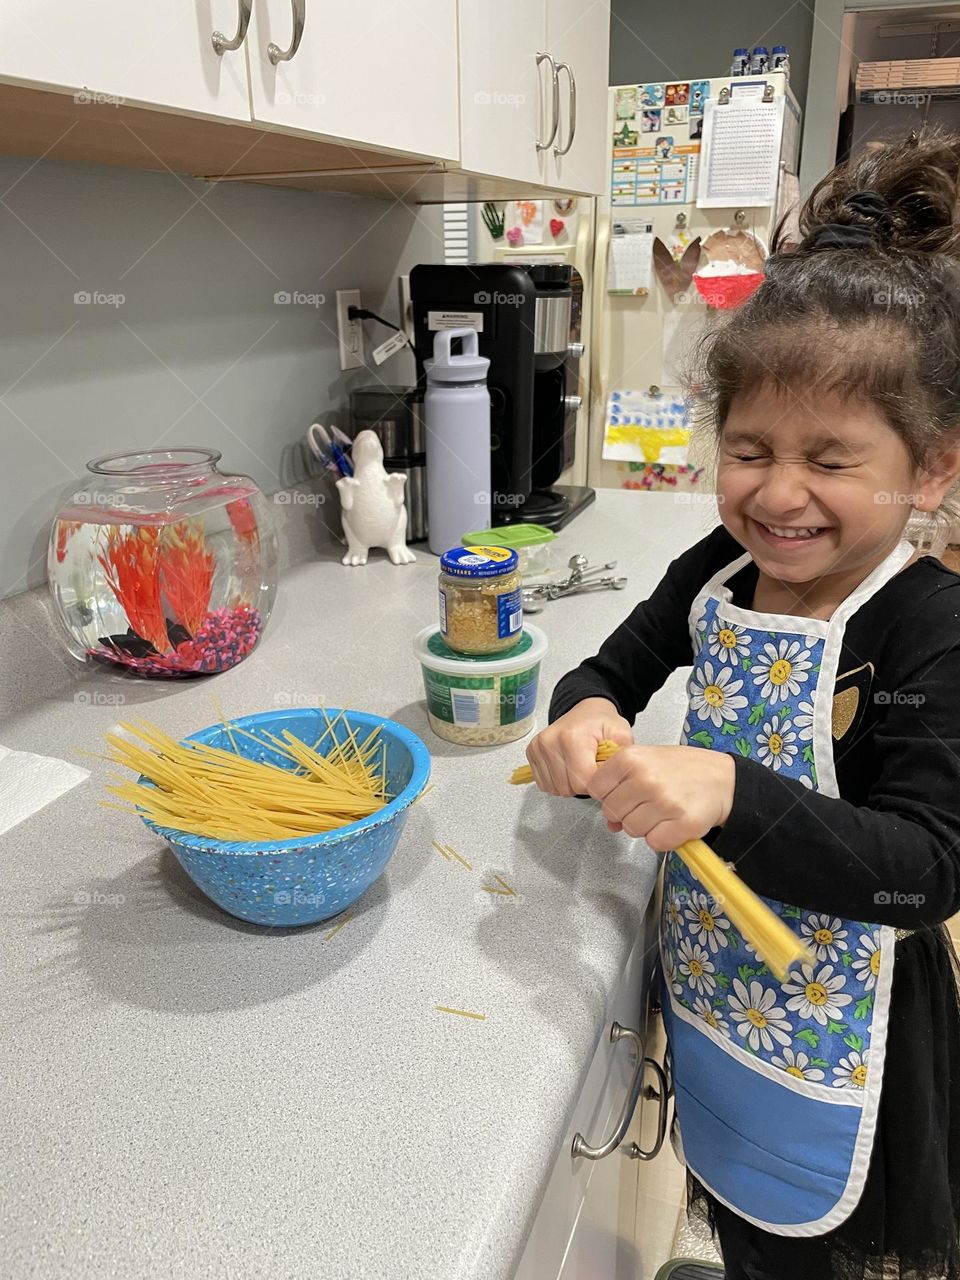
819	1118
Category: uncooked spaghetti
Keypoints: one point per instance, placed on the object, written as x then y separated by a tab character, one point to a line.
773	941
204	790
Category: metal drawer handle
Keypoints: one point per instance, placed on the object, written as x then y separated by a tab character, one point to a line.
580	1145
274	52
220	42
634	1151
545	57
565	66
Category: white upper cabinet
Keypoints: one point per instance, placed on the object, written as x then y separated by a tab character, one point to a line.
512	92
377	72
533	83
158	54
578	39
508	99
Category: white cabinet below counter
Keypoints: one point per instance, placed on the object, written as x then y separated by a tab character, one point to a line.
585	1223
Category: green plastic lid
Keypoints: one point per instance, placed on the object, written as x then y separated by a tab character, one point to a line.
429	647
517	536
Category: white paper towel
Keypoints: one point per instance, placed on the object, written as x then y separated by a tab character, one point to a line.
29	783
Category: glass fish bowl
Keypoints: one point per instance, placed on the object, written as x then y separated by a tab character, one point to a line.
162	565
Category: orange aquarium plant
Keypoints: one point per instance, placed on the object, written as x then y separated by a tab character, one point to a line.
186	573
147	565
132	571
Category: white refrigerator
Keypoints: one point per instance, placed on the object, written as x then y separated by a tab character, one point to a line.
725	129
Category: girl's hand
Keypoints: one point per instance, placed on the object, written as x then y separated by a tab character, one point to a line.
563	756
665	794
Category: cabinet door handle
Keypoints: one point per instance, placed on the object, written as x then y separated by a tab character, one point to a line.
565	66
548	142
274	52
220	42
636	1152
580	1144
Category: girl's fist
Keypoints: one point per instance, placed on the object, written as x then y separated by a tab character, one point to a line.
563	756
665	794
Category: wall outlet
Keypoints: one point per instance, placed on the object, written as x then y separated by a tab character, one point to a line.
349	332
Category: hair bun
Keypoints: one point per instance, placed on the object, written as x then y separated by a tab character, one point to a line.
896	196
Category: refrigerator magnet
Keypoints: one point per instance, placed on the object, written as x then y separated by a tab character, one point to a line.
650	121
674	115
625	102
652	95
526	218
699	93
676	95
675	265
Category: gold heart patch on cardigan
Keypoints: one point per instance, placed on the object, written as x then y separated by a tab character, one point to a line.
850	699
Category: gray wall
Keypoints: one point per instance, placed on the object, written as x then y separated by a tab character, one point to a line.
676	40
198	352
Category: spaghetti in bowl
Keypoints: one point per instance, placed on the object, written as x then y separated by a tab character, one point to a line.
304	879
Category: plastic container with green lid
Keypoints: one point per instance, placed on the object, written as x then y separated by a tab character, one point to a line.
532	543
481	700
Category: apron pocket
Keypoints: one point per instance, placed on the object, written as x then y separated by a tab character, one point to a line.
775	1156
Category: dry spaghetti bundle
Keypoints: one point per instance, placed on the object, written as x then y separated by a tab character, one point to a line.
209	791
772	940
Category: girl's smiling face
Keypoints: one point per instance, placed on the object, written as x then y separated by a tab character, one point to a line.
820	488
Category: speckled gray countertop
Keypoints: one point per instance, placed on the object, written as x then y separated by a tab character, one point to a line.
185	1095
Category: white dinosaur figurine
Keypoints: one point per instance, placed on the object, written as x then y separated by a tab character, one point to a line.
372	505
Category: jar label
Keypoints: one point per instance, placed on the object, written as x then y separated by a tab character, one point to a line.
443	611
482	702
509	613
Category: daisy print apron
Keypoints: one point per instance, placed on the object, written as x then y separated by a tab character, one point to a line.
777	1084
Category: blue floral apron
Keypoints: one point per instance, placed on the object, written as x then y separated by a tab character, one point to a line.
777	1084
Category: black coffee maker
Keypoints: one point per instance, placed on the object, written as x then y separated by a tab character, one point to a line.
527	319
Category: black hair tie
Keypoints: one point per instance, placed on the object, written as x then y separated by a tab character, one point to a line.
842	235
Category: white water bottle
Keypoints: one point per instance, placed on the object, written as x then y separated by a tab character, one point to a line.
456	415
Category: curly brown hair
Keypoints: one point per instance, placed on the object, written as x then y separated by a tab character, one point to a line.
868	304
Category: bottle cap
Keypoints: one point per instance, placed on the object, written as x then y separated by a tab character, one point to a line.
470	366
478	562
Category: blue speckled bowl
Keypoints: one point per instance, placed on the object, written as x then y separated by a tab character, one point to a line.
274	882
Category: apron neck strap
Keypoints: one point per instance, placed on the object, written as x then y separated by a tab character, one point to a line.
888	568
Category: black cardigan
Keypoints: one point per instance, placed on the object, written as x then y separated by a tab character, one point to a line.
887	850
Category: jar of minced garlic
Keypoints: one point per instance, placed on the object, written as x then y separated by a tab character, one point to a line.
481	607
